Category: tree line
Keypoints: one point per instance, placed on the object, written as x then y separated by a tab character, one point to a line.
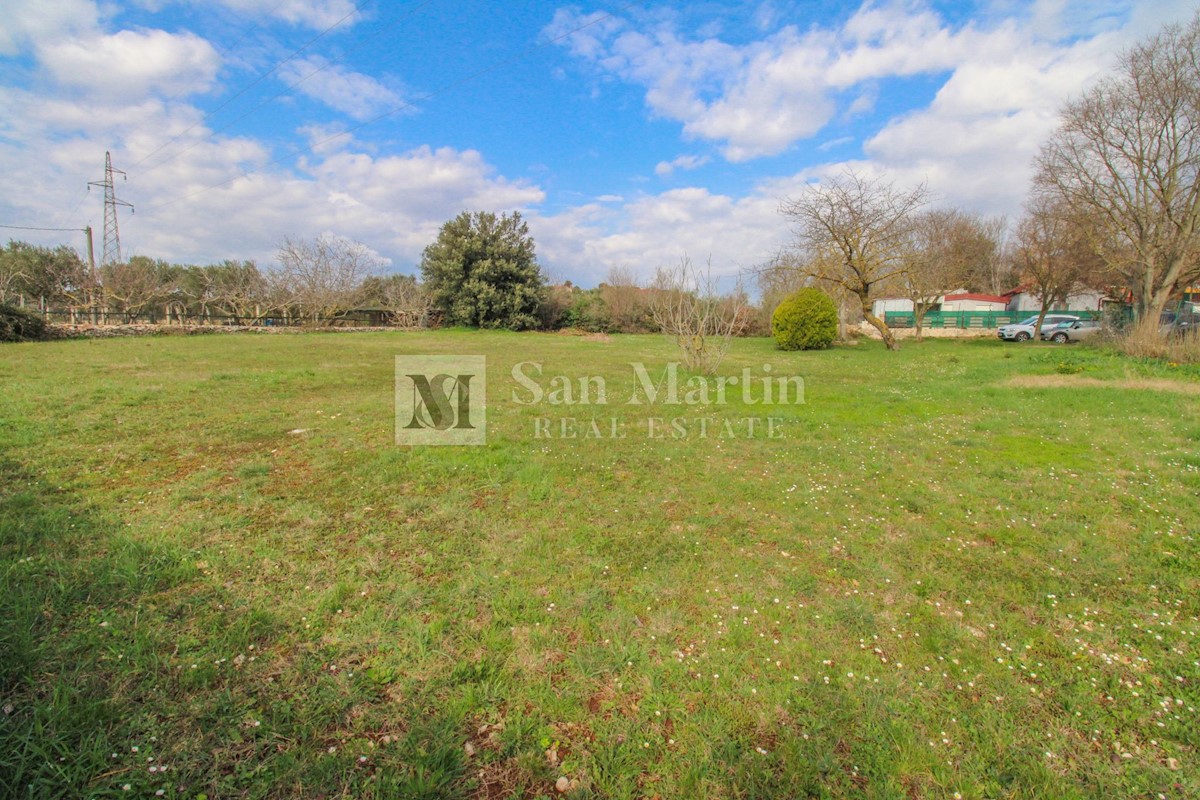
481	271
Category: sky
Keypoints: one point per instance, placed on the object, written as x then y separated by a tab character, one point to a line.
627	134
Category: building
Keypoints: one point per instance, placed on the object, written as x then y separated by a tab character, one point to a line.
891	305
973	301
1022	299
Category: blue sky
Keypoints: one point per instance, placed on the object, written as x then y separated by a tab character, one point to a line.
629	134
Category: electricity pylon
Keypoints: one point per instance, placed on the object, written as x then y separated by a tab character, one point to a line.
112	234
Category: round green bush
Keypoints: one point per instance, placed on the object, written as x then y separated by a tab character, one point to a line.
19	325
806	320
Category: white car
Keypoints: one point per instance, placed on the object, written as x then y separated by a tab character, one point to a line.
1023	331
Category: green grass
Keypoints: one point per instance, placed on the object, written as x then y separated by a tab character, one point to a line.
945	579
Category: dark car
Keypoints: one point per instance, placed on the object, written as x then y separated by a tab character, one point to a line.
1175	324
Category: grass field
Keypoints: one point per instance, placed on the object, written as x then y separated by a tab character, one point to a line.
966	569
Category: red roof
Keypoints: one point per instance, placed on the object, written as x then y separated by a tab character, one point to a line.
986	298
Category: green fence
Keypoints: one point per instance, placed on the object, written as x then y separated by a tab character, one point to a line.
972	319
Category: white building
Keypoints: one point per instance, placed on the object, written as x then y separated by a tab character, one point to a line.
1080	300
886	305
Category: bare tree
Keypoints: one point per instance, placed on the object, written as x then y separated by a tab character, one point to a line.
991	274
1052	254
628	303
778	278
857	232
408	301
687	306
322	277
946	248
1127	155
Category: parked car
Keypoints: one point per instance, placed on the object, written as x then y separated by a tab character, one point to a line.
1070	331
1023	331
1175	324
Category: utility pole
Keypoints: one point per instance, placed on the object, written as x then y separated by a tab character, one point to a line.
112	235
93	283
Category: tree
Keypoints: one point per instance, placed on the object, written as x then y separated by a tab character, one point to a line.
946	248
990	274
134	286
1052	254
687	306
628	303
406	300
777	279
482	271
856	231
323	277
1127	156
56	275
12	274
238	288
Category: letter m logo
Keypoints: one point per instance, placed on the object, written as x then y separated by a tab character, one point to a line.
441	400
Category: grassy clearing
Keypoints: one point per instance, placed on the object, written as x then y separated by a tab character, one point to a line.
946	579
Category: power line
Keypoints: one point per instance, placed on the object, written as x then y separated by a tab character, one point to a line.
33	228
312	148
379	30
71	213
262	76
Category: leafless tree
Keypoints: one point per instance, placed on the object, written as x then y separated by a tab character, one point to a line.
856	231
628	303
687	306
322	277
946	248
407	300
1127	156
1051	253
992	273
778	278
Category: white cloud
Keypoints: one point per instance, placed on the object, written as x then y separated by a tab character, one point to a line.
832	143
761	97
665	168
26	23
131	63
975	143
394	203
658	230
316	14
357	95
757	99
